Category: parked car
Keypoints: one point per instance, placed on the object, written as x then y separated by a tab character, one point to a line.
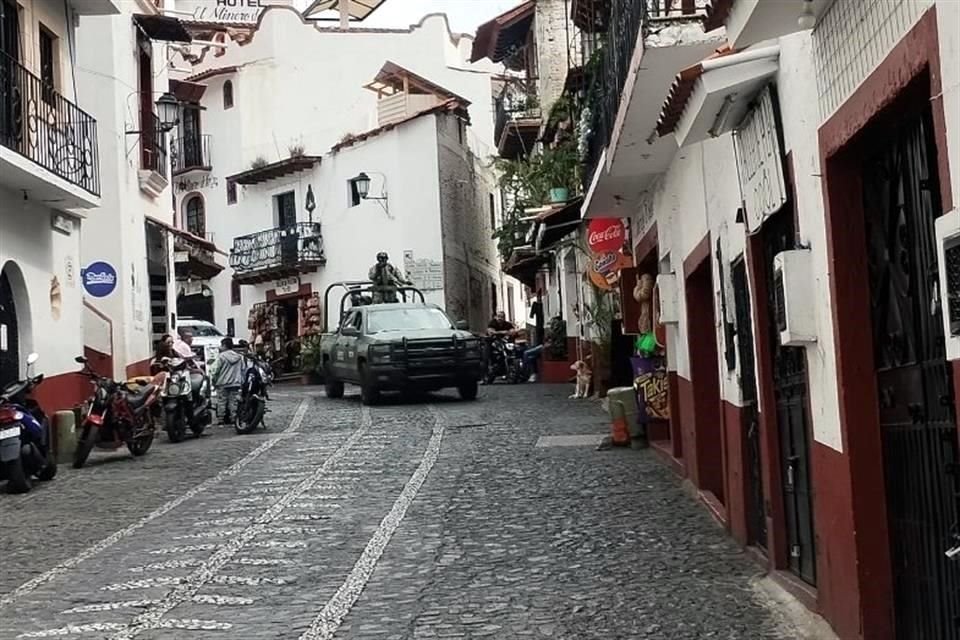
206	339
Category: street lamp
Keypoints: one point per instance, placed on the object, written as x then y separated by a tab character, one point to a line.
808	18
168	111
363	184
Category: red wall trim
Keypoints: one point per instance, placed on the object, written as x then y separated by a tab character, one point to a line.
700	253
141	368
856	585
646	247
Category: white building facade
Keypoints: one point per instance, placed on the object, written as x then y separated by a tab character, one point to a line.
50	181
790	173
281	122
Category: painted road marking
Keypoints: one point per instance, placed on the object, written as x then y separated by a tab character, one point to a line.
32	585
73	629
206	573
325	625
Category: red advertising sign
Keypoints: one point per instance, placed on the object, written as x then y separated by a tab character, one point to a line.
605	235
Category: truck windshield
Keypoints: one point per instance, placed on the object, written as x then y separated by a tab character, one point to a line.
204	331
407	319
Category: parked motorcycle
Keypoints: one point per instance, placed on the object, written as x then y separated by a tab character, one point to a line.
507	361
186	399
118	414
25	443
254	394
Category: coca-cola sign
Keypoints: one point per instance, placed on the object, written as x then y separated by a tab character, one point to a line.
605	235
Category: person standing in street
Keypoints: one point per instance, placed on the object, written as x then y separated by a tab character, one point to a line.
227	379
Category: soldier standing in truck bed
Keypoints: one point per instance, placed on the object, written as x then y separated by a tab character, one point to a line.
386	278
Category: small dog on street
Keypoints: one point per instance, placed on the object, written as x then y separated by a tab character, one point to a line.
584	374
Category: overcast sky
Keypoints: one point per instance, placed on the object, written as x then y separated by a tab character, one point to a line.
465	15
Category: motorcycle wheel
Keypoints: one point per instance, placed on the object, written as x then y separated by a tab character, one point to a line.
198	428
84	446
49	470
139	445
17	479
249	417
173	425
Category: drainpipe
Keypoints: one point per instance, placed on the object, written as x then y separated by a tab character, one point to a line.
738	58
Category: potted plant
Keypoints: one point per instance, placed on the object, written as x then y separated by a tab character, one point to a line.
310	360
558	170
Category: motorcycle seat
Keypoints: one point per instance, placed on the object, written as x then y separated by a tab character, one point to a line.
138	398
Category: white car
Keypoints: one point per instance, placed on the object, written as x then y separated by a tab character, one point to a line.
206	338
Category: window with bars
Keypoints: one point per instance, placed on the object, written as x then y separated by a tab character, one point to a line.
952	259
235	296
231	192
227	95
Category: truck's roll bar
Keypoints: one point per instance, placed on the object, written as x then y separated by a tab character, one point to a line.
359	287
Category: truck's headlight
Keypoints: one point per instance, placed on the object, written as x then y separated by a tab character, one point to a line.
379	353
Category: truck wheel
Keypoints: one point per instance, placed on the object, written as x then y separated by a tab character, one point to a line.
468	390
334	388
369	393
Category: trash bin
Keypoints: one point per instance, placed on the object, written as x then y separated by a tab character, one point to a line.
623	413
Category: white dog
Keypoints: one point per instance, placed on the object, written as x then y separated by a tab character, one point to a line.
583	379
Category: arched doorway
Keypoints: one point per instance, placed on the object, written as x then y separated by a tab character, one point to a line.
195	217
9	333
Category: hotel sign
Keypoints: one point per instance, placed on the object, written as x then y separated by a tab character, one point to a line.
226	10
760	163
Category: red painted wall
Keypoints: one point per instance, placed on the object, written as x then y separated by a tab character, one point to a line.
736	479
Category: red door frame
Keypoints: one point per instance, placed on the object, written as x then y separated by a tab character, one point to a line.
857	584
704	429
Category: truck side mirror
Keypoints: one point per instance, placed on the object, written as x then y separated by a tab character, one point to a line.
462	325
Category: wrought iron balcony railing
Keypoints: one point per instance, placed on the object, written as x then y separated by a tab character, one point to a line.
514	108
277	252
42	125
627	22
153	146
190	152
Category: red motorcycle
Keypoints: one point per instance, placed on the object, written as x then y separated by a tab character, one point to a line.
118	414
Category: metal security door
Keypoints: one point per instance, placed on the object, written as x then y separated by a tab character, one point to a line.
914	382
793	420
9	342
756	513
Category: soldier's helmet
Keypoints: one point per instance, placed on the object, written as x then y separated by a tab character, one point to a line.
382	256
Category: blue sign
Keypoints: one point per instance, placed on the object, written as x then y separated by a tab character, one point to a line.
99	279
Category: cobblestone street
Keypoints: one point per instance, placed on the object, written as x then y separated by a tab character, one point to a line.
439	520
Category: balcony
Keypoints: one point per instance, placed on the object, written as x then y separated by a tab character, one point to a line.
277	253
48	145
190	153
750	22
517	124
646	45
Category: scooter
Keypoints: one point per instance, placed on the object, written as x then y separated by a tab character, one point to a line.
253	395
186	399
25	450
117	415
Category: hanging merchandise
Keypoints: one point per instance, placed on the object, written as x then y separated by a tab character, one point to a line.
311	316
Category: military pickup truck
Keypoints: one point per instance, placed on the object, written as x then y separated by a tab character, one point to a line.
405	346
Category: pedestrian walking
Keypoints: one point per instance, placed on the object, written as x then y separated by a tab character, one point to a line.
227	379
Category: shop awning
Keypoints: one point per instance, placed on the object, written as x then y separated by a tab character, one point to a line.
506	34
162	28
557	223
712	97
524	264
190	92
275	170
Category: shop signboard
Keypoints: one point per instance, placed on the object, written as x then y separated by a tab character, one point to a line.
99	279
605	235
650	383
287	286
604	269
242	11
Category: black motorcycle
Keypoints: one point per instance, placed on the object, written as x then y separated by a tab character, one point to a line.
507	361
25	442
254	394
